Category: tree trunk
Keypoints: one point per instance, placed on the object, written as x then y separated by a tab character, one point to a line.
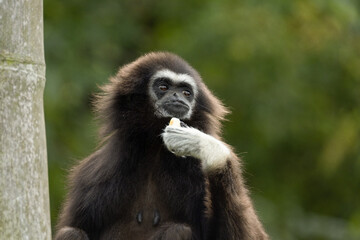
24	191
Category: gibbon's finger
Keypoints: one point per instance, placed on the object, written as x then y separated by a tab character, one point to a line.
183	125
175	130
183	130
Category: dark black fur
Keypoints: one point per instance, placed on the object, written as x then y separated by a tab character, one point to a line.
132	172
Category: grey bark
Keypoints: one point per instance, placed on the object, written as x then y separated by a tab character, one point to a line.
24	191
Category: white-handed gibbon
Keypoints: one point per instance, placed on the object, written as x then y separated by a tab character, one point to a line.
152	181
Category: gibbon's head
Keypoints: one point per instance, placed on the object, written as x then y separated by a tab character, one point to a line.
172	94
153	89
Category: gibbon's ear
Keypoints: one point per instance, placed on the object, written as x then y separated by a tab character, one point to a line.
115	101
130	80
105	106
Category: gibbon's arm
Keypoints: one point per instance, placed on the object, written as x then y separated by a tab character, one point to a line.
234	215
86	210
187	141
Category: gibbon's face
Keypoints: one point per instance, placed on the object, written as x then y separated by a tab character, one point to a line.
173	94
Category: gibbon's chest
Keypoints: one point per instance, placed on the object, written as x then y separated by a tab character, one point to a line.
167	189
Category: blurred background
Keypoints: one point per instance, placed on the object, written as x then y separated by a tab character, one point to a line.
288	70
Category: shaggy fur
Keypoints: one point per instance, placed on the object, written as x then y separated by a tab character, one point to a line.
134	188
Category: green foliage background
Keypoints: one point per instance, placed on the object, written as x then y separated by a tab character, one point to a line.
288	70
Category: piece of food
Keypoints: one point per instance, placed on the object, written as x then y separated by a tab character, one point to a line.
175	122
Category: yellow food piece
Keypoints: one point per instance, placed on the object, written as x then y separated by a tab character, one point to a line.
175	122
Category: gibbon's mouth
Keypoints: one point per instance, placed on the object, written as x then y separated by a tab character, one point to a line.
177	105
176	108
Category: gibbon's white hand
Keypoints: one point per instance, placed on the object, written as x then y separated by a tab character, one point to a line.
187	141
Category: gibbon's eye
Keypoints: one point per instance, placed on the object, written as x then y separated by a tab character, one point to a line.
187	93
163	88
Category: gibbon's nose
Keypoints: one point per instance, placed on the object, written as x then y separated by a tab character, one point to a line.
177	97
